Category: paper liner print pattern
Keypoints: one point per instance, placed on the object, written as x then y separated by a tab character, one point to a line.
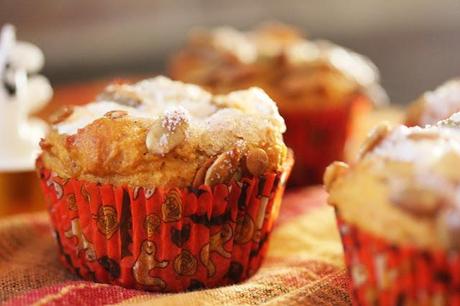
383	273
165	240
318	137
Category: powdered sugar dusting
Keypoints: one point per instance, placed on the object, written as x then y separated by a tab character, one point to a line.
175	117
452	121
253	101
441	103
431	151
249	46
235	42
84	115
418	145
186	113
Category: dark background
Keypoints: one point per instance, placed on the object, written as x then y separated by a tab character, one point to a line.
416	44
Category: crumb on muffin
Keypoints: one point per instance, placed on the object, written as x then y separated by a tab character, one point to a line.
405	187
159	132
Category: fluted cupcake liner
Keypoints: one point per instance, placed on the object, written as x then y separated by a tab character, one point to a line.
318	137
159	239
383	273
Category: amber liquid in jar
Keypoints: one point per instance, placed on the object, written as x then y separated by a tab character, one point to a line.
20	193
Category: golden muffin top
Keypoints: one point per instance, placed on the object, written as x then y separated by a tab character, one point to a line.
435	105
159	132
239	58
405	186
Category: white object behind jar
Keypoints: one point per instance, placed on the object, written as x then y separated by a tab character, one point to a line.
20	134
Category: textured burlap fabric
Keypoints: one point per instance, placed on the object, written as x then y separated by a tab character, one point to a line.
304	265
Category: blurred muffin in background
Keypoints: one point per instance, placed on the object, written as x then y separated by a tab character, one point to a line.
321	89
435	105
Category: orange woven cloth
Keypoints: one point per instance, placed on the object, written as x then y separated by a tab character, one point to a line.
304	265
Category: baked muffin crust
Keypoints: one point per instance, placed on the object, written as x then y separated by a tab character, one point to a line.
163	133
405	187
295	71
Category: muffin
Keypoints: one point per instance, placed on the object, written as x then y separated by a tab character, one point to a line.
321	89
161	186
398	211
435	105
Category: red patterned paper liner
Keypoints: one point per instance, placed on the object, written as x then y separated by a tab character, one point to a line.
318	137
383	273
166	240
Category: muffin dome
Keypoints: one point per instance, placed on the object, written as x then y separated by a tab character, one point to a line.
297	72
159	132
405	187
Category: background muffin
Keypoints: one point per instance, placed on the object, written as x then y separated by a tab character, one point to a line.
319	87
435	105
398	211
161	186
